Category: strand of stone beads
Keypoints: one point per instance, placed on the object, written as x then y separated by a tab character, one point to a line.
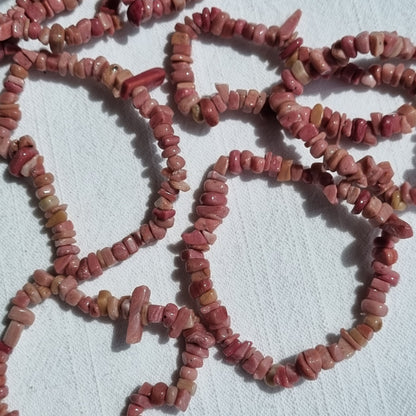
140	11
139	312
402	121
312	64
23	21
219	23
210	213
107	21
366	173
25	161
308	64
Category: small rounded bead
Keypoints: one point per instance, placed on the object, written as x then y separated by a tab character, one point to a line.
374	322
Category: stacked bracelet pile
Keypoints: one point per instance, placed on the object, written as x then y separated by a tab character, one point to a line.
364	184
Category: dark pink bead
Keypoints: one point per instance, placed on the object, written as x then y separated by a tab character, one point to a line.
83	272
22	156
94	265
199	336
196	289
234	162
97	28
291	48
191	360
196	264
155	313
291	83
213	198
386	126
397	227
151	78
361	201
307	132
120	251
169	315
134	410
348	46
5	348
180	322
135	12
212	212
217	316
359	127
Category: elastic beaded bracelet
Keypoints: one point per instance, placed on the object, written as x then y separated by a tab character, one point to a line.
306	123
138	311
23	21
219	23
360	130
213	209
24	159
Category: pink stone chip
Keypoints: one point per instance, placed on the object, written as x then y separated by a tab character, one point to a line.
139	297
151	78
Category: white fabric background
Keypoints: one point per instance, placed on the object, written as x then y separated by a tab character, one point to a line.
289	267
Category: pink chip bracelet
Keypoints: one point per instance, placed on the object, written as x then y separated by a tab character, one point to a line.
24	159
218	23
181	322
213	209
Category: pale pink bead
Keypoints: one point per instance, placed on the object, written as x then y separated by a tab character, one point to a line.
139	297
13	332
288	27
188	373
336	352
374	308
42	278
347	349
65	250
68	284
380	285
21	299
219	103
182	399
21	315
327	360
108	257
74	297
171	394
233	100
263	367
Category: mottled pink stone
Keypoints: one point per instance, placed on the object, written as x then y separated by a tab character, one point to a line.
68	284
155	313
139	297
182	399
199	336
181	321
169	315
191	360
288	27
